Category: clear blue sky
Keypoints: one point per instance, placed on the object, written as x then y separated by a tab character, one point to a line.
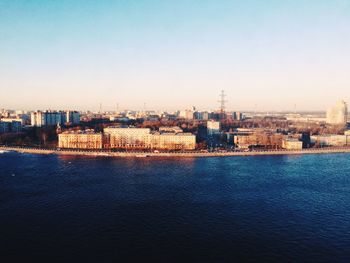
174	54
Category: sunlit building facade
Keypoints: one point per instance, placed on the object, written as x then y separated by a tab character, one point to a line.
292	144
80	140
52	118
170	138
338	114
213	127
128	137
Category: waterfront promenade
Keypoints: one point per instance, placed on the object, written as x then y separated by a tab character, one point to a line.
34	150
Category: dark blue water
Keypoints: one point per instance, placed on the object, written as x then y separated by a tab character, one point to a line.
277	208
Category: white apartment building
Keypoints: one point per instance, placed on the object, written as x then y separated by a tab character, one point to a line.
186	114
51	118
213	127
338	114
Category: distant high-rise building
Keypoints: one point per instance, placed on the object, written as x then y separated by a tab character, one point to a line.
10	125
72	117
186	114
213	127
201	115
205	115
197	115
52	118
338	114
239	116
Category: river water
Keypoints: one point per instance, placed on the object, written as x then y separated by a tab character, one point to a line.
94	209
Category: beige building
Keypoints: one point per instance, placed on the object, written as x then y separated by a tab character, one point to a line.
173	141
80	140
292	144
174	129
142	138
331	140
186	114
128	137
258	138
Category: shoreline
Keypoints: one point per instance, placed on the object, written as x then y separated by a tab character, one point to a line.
135	154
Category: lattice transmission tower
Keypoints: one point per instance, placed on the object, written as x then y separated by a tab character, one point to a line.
222	102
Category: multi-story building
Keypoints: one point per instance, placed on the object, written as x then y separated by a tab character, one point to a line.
239	116
244	141
292	144
72	117
13	119
213	127
10	125
258	139
205	115
186	114
46	118
338	114
141	138
128	137
51	118
330	140
3	127
80	140
201	115
173	141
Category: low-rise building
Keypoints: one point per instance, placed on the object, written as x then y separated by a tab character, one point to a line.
174	129
330	140
292	144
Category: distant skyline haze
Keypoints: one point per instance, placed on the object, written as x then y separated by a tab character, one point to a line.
267	55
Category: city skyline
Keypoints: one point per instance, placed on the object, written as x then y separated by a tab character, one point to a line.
172	55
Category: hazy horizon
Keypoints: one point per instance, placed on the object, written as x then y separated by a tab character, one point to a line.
267	56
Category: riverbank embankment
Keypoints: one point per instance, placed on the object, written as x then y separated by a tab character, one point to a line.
173	154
